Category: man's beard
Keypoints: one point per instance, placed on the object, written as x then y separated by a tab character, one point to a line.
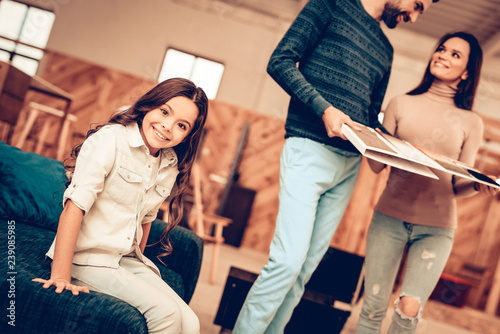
390	16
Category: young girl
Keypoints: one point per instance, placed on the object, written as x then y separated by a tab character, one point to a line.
418	212
124	171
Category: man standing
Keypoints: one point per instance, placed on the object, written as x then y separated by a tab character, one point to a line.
344	62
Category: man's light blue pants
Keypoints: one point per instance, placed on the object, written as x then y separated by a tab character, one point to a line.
316	183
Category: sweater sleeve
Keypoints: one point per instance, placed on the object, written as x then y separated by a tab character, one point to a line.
297	41
377	99
472	141
464	187
390	122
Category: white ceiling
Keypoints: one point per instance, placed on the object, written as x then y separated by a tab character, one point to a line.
478	17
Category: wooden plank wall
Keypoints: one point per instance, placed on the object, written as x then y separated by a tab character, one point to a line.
259	167
99	91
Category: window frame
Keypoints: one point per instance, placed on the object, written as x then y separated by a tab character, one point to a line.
18	42
191	72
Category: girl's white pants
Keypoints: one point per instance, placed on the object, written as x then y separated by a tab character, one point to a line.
138	285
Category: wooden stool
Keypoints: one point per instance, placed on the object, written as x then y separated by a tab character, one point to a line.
207	226
55	115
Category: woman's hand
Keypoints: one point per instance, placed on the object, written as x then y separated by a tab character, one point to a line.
484	188
61	285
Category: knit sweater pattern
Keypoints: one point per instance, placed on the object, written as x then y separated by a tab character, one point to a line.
344	60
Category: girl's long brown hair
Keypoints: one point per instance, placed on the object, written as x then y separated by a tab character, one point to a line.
186	151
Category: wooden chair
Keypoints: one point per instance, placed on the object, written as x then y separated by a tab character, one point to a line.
208	226
14	84
51	118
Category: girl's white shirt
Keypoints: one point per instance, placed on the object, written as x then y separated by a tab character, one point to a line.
118	187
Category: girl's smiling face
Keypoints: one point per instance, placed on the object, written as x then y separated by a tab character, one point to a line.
449	62
168	125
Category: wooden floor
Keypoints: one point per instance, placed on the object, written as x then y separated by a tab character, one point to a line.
438	318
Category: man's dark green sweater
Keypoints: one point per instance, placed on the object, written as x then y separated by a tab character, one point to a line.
344	60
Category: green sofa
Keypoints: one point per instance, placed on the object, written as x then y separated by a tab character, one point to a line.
31	190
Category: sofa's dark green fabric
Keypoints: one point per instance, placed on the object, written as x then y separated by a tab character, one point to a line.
184	261
181	268
31	187
43	311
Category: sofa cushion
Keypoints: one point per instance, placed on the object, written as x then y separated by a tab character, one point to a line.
173	279
32	187
185	259
39	310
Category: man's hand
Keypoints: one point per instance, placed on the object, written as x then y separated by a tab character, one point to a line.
333	119
62	285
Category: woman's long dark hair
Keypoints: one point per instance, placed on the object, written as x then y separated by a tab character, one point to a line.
186	151
464	98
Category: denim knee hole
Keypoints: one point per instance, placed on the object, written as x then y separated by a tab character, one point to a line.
403	316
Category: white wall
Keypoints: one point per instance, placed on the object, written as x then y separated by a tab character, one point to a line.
132	36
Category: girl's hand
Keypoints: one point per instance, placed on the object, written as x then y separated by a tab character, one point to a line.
62	285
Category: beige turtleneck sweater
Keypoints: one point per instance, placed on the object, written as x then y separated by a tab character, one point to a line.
431	121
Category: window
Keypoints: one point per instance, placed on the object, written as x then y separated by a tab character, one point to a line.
24	32
203	72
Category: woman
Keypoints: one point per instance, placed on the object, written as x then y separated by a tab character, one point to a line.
415	211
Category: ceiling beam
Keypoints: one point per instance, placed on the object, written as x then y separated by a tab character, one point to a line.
492	47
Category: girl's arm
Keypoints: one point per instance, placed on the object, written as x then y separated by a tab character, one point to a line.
67	233
145	234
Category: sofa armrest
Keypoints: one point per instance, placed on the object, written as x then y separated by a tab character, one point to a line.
37	310
185	258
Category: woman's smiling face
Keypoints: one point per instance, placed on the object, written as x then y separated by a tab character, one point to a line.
449	62
168	125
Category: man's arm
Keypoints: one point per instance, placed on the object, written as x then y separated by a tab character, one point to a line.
297	41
